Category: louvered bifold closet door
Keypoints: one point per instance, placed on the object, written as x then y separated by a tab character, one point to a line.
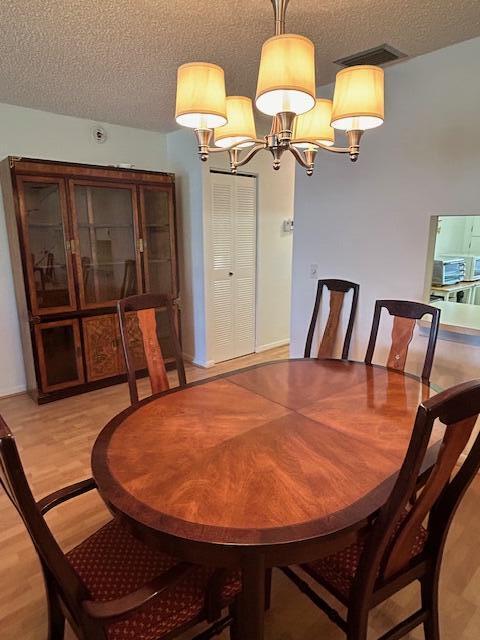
231	265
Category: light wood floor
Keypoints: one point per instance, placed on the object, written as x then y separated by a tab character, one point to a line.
55	441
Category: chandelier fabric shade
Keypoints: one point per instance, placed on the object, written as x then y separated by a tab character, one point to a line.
286	78
201	98
240	127
314	126
358	99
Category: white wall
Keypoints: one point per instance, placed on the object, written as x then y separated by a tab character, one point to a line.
190	175
274	246
370	222
37	134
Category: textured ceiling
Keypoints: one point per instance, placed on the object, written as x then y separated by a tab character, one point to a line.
115	60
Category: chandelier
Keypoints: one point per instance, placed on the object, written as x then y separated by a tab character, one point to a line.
286	90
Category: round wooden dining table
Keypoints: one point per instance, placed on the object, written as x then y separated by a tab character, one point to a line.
268	466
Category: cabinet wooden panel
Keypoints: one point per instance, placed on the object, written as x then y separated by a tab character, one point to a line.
59	354
102	350
81	237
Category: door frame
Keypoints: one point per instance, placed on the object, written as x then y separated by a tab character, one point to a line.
209	362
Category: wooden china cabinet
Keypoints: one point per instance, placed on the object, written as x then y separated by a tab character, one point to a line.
81	237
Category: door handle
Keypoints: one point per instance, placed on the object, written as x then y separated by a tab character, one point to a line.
230	273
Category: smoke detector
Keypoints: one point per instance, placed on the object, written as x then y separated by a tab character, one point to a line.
99	134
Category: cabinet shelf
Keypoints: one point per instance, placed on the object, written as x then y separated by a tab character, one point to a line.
100	265
50	225
93	225
158	227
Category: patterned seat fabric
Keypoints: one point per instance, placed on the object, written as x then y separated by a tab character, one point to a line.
113	563
337	572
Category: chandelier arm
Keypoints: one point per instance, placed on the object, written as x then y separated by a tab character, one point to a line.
253	152
237	145
322	146
299	157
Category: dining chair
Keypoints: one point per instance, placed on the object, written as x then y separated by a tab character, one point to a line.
147	307
397	548
337	289
405	315
112	586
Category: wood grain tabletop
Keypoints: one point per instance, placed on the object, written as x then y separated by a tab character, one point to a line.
273	454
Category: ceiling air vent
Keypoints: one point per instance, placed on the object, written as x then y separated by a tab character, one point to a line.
381	55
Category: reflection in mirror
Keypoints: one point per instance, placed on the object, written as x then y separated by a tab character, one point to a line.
455	286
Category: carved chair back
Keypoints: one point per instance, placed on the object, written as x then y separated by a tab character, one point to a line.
388	549
55	565
337	289
405	315
147	308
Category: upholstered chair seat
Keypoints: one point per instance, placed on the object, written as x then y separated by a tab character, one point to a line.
113	563
337	571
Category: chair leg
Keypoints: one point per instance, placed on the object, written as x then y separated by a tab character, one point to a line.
357	622
268	589
234	626
429	589
56	619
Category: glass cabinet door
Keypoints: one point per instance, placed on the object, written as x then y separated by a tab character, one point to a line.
105	218
43	212
59	354
159	240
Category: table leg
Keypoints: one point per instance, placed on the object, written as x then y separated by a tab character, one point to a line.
251	609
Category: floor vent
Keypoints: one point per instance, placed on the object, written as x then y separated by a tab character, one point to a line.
381	55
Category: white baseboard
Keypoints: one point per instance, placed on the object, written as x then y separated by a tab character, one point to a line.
199	363
272	345
204	364
12	391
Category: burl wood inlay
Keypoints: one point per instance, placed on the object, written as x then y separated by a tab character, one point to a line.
257	455
147	321
402	334
329	337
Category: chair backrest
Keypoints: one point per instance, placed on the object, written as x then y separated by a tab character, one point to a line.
388	551
337	289
405	315
52	558
147	307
